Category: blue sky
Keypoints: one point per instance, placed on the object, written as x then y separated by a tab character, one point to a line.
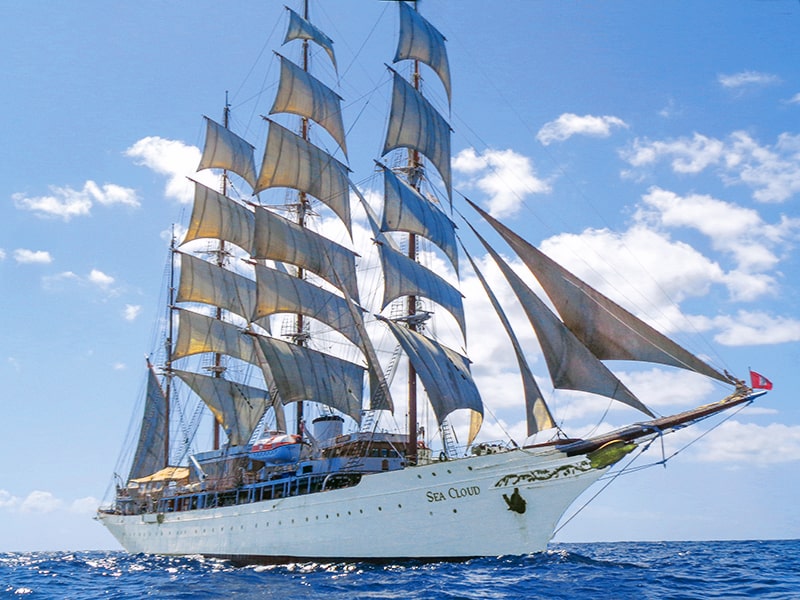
654	148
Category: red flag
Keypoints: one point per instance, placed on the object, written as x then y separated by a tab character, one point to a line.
759	382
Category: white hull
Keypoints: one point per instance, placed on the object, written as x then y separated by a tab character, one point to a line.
452	509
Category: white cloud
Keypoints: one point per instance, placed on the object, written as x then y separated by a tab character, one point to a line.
2	254
66	203
688	155
756	328
569	124
100	279
795	99
504	175
42	257
95	278
748	443
735	230
747	78
174	159
772	172
131	311
40	502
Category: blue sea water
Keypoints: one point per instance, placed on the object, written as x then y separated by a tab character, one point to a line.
674	570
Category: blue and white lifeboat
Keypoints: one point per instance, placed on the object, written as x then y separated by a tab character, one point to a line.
277	449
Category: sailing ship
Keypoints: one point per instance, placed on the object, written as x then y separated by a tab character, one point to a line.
301	465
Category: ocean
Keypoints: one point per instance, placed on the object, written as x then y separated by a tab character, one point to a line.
640	570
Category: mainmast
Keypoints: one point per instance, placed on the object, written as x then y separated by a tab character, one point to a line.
414	179
300	336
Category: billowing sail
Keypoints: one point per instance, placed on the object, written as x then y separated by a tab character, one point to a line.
281	293
572	366
237	407
200	333
406	277
290	161
537	413
304	374
608	330
202	281
414	123
226	150
301	29
150	453
279	239
406	210
419	40
444	373
300	93
218	217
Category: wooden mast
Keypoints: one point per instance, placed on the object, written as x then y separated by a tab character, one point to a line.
218	368
414	179
168	347
302	208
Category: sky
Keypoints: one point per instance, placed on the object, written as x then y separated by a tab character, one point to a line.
654	148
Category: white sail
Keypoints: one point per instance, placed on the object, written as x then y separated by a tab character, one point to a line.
537	413
301	29
419	40
406	210
444	373
279	239
218	217
302	94
290	161
202	281
282	293
415	124
236	406
572	366
609	331
150	453
406	277
303	374
199	333
226	150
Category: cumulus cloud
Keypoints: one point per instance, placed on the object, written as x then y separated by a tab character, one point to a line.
735	230
41	502
569	124
504	175
749	443
24	256
131	311
772	172
100	279
747	78
95	278
176	161
66	203
756	328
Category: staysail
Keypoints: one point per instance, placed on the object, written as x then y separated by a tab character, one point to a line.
537	414
609	331
572	366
